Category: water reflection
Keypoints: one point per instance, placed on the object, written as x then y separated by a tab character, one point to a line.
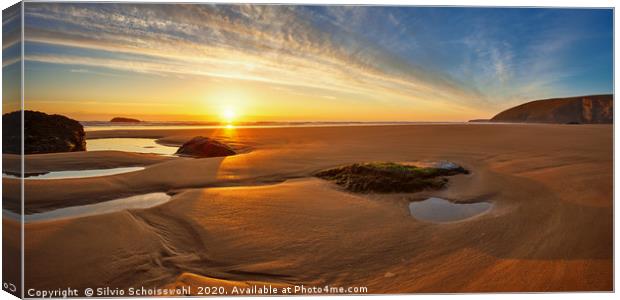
133	202
439	210
74	174
138	145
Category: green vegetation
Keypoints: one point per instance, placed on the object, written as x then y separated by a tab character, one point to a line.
387	177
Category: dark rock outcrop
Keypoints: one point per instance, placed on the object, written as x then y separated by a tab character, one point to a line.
596	109
43	133
205	147
11	134
390	177
124	120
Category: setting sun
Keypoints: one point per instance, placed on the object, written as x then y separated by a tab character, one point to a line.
228	114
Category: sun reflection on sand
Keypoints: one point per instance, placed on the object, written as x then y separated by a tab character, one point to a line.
227	134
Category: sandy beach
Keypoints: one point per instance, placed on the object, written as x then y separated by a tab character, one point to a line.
261	217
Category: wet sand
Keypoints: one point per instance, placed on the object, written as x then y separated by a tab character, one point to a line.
261	217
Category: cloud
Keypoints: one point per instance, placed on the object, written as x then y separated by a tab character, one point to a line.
521	58
284	45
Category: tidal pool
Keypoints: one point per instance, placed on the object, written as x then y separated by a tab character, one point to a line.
439	210
138	145
133	202
75	174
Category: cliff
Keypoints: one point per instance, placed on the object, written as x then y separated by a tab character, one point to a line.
594	109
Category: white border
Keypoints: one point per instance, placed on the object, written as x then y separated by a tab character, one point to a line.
504	3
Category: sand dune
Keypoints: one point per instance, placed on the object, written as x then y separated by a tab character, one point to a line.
260	217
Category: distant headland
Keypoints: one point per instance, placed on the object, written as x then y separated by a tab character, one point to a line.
124	120
593	109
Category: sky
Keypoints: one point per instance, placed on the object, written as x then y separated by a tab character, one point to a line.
205	62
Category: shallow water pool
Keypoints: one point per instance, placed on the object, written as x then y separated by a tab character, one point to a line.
439	210
76	173
137	145
133	202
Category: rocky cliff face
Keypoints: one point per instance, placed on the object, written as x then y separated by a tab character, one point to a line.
595	109
43	133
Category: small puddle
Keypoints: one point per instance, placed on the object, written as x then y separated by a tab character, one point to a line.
136	145
75	174
438	210
133	202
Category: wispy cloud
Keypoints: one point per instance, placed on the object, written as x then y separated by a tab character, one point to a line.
272	44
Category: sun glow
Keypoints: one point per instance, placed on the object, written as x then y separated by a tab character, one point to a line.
228	115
